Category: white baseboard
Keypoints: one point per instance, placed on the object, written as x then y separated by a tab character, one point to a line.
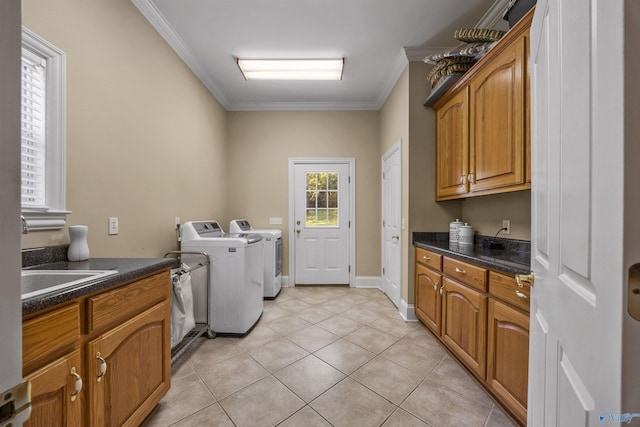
367	282
407	311
360	282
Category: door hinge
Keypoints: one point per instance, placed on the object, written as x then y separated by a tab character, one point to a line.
349	224
349	269
384	223
15	406
383	271
384	176
349	179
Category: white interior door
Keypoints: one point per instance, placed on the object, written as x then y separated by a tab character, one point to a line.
321	223
10	262
577	309
392	222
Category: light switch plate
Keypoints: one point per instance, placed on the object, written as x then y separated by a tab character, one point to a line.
275	221
113	225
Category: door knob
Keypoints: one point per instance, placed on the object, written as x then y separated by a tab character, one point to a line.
395	237
297	222
298	231
521	278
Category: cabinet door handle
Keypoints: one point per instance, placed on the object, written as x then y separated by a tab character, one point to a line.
463	179
520	294
441	289
77	384
471	178
435	286
428	258
103	366
460	271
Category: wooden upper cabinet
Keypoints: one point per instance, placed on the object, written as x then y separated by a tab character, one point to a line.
482	124
452	145
497	121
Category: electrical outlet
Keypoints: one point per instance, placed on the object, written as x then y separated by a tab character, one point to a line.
113	225
275	221
506	225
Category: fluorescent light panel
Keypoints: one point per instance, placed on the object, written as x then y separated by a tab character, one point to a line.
291	69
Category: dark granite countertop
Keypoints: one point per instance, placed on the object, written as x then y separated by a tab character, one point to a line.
128	269
515	258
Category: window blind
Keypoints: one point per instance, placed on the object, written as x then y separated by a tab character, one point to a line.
33	130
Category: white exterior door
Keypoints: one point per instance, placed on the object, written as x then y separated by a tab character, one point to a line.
321	223
578	308
10	262
392	222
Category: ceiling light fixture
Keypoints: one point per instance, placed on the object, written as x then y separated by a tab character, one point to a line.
291	69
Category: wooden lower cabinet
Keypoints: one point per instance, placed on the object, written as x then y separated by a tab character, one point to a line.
464	314
136	356
135	347
508	356
428	300
55	402
482	317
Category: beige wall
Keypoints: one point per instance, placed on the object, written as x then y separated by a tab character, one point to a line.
425	214
146	141
403	116
394	127
260	144
485	214
394	115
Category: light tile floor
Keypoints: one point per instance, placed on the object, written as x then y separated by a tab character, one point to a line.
325	356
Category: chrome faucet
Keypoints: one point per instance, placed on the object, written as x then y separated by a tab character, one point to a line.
25	228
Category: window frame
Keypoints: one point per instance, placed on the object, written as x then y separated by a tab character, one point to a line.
53	215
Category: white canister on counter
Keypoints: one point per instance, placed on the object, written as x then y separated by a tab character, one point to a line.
465	234
454	230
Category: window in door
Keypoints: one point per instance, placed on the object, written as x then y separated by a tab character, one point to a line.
322	199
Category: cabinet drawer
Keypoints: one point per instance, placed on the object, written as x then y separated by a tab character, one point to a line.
505	288
47	335
466	273
120	304
428	258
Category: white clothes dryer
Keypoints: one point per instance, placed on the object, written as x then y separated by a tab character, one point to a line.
236	274
272	254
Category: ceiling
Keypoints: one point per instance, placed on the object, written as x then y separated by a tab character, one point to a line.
376	38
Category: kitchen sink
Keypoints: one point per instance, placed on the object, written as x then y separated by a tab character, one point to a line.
38	282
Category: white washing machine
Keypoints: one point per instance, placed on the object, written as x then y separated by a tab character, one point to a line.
236	274
272	254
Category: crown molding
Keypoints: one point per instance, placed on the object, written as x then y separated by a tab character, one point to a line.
399	65
494	14
406	55
153	15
